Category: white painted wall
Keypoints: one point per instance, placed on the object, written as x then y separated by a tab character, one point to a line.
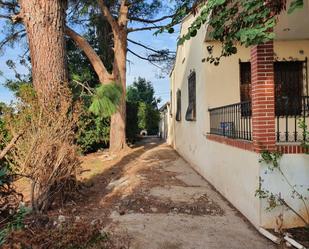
233	172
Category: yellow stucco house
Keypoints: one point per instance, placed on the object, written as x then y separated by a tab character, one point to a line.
223	117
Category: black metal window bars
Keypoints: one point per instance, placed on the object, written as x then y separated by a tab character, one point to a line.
233	121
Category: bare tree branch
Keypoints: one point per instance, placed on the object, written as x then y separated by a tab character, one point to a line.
11	144
6	17
144	58
147	47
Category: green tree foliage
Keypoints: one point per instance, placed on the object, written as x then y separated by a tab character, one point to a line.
80	70
4	133
93	130
148	118
142	115
92	133
132	122
141	94
87	16
94	124
142	91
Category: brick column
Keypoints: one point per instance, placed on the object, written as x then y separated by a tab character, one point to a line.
263	97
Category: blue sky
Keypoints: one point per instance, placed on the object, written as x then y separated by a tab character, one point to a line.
12	54
145	69
136	66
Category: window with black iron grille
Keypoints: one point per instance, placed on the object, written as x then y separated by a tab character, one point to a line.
289	84
191	111
178	105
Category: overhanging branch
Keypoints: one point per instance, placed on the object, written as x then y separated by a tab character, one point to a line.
136	19
144	58
20	33
144	28
148	48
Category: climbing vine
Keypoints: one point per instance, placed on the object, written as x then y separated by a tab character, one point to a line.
305	143
233	22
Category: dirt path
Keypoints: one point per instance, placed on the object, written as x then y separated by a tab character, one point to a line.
155	197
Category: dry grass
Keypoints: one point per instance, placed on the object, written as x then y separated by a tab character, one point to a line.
43	232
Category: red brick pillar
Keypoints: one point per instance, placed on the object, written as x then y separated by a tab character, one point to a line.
263	97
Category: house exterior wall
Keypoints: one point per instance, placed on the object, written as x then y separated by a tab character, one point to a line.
234	172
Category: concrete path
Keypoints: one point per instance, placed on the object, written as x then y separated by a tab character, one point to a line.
165	204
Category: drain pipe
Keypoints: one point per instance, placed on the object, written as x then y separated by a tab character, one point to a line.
293	242
277	240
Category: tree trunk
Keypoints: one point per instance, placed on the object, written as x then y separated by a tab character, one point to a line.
118	120
95	60
45	25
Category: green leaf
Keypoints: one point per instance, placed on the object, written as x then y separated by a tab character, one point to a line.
295	4
193	33
3	171
171	30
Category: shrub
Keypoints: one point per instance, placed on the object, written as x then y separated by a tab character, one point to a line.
92	133
45	153
10	199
